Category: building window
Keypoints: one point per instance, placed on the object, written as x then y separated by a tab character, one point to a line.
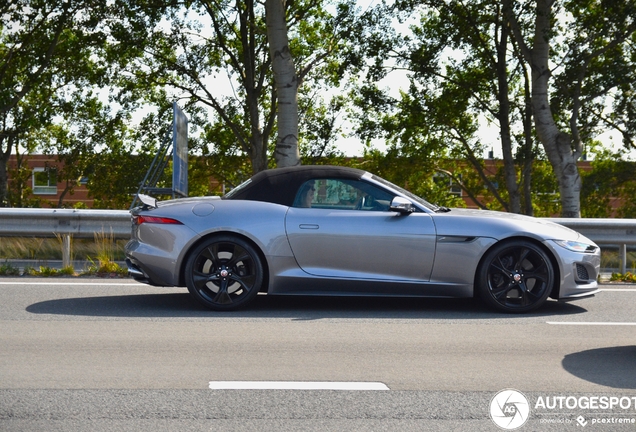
446	181
45	181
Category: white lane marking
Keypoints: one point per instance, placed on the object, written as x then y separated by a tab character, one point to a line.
593	323
296	385
76	283
619	289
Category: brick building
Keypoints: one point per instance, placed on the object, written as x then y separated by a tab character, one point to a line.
45	184
48	188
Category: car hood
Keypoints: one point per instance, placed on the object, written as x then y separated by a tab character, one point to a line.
500	225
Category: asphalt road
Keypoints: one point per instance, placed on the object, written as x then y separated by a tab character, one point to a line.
102	355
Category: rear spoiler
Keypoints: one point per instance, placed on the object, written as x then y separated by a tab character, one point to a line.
147	201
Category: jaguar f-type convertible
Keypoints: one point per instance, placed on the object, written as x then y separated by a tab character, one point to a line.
335	231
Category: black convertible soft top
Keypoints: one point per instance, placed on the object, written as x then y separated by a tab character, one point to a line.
279	186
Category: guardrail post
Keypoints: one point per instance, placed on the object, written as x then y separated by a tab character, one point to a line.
622	253
66	250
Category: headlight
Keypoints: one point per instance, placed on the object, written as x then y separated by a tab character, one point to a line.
575	246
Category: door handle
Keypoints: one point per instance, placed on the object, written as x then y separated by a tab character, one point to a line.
309	226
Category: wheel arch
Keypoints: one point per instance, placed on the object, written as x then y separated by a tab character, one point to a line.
257	248
554	292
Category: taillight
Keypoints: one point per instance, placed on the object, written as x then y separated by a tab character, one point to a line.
138	220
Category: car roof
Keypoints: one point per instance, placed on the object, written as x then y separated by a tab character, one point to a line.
279	185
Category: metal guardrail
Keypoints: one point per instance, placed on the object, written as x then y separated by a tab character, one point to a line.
22	222
67	223
603	231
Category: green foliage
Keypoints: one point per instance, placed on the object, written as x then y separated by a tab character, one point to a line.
72	74
62	57
627	277
6	269
409	174
116	177
104	248
44	271
596	58
609	184
458	83
468	67
104	268
18	193
223	160
321	130
44	249
545	190
29	271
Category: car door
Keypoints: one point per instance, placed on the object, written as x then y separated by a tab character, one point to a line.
349	232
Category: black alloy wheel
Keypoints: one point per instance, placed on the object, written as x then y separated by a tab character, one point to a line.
224	273
516	276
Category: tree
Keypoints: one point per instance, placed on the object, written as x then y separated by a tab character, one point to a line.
286	82
467	62
80	142
122	49
216	55
463	73
597	43
55	58
31	38
608	188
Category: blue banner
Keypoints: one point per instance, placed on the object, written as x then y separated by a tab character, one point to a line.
180	152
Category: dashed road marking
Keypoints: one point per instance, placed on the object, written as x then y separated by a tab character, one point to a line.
296	385
582	323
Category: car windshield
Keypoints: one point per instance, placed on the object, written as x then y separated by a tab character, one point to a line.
410	195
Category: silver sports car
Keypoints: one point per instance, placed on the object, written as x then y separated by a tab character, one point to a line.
325	230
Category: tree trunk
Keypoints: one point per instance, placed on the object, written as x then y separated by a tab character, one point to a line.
528	153
258	154
3	181
510	169
4	161
286	81
557	144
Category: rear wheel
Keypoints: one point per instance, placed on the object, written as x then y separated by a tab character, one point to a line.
224	273
516	276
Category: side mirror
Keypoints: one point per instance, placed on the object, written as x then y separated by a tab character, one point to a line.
401	205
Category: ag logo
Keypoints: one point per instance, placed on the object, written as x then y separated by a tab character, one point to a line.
509	409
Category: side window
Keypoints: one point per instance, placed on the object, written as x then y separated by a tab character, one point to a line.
305	196
342	194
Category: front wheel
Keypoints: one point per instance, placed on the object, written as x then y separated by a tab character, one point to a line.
224	273
515	276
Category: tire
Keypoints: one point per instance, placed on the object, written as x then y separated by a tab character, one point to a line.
224	273
515	276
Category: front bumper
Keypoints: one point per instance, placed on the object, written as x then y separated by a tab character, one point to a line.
578	273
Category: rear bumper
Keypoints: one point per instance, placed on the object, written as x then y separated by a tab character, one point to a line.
136	273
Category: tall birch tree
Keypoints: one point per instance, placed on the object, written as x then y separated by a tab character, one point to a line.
238	60
597	39
286	82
